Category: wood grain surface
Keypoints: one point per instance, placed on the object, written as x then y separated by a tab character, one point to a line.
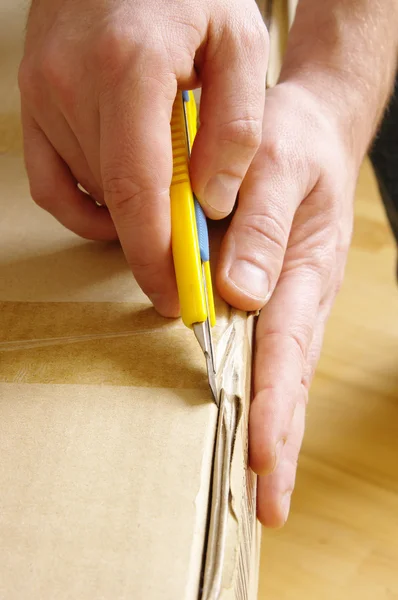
341	541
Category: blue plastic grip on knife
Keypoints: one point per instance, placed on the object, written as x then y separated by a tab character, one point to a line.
203	233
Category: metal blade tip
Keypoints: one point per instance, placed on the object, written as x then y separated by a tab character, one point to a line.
203	335
212	380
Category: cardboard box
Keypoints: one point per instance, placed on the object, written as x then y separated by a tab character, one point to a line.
108	431
119	477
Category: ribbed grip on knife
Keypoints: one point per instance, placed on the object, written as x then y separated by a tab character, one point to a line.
180	144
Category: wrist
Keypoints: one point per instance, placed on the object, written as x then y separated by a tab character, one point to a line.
345	53
343	101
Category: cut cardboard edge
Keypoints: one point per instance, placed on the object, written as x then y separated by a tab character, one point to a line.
233	537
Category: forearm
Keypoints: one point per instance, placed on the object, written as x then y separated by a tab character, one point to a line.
346	52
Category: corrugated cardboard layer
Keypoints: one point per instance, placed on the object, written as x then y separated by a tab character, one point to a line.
230	568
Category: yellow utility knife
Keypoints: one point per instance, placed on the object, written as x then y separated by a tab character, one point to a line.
190	238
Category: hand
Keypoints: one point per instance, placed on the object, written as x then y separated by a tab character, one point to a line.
98	81
288	243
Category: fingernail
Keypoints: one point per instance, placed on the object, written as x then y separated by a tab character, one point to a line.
285	505
278	453
250	279
221	191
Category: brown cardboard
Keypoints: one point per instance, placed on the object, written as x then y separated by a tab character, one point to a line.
107	428
233	502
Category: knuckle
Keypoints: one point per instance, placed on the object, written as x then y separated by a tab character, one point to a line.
115	50
297	338
28	82
121	192
51	64
252	33
319	265
50	69
324	262
276	151
243	131
301	336
148	270
25	76
125	197
313	253
112	48
265	231
41	197
56	71
257	36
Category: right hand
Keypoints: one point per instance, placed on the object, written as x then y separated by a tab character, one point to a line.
98	81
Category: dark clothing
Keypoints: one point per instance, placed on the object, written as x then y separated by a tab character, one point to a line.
384	156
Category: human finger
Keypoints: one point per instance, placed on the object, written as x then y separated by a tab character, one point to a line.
54	188
136	168
233	76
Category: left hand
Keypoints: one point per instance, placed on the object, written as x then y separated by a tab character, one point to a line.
286	248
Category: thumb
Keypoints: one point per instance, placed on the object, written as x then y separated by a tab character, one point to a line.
254	246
